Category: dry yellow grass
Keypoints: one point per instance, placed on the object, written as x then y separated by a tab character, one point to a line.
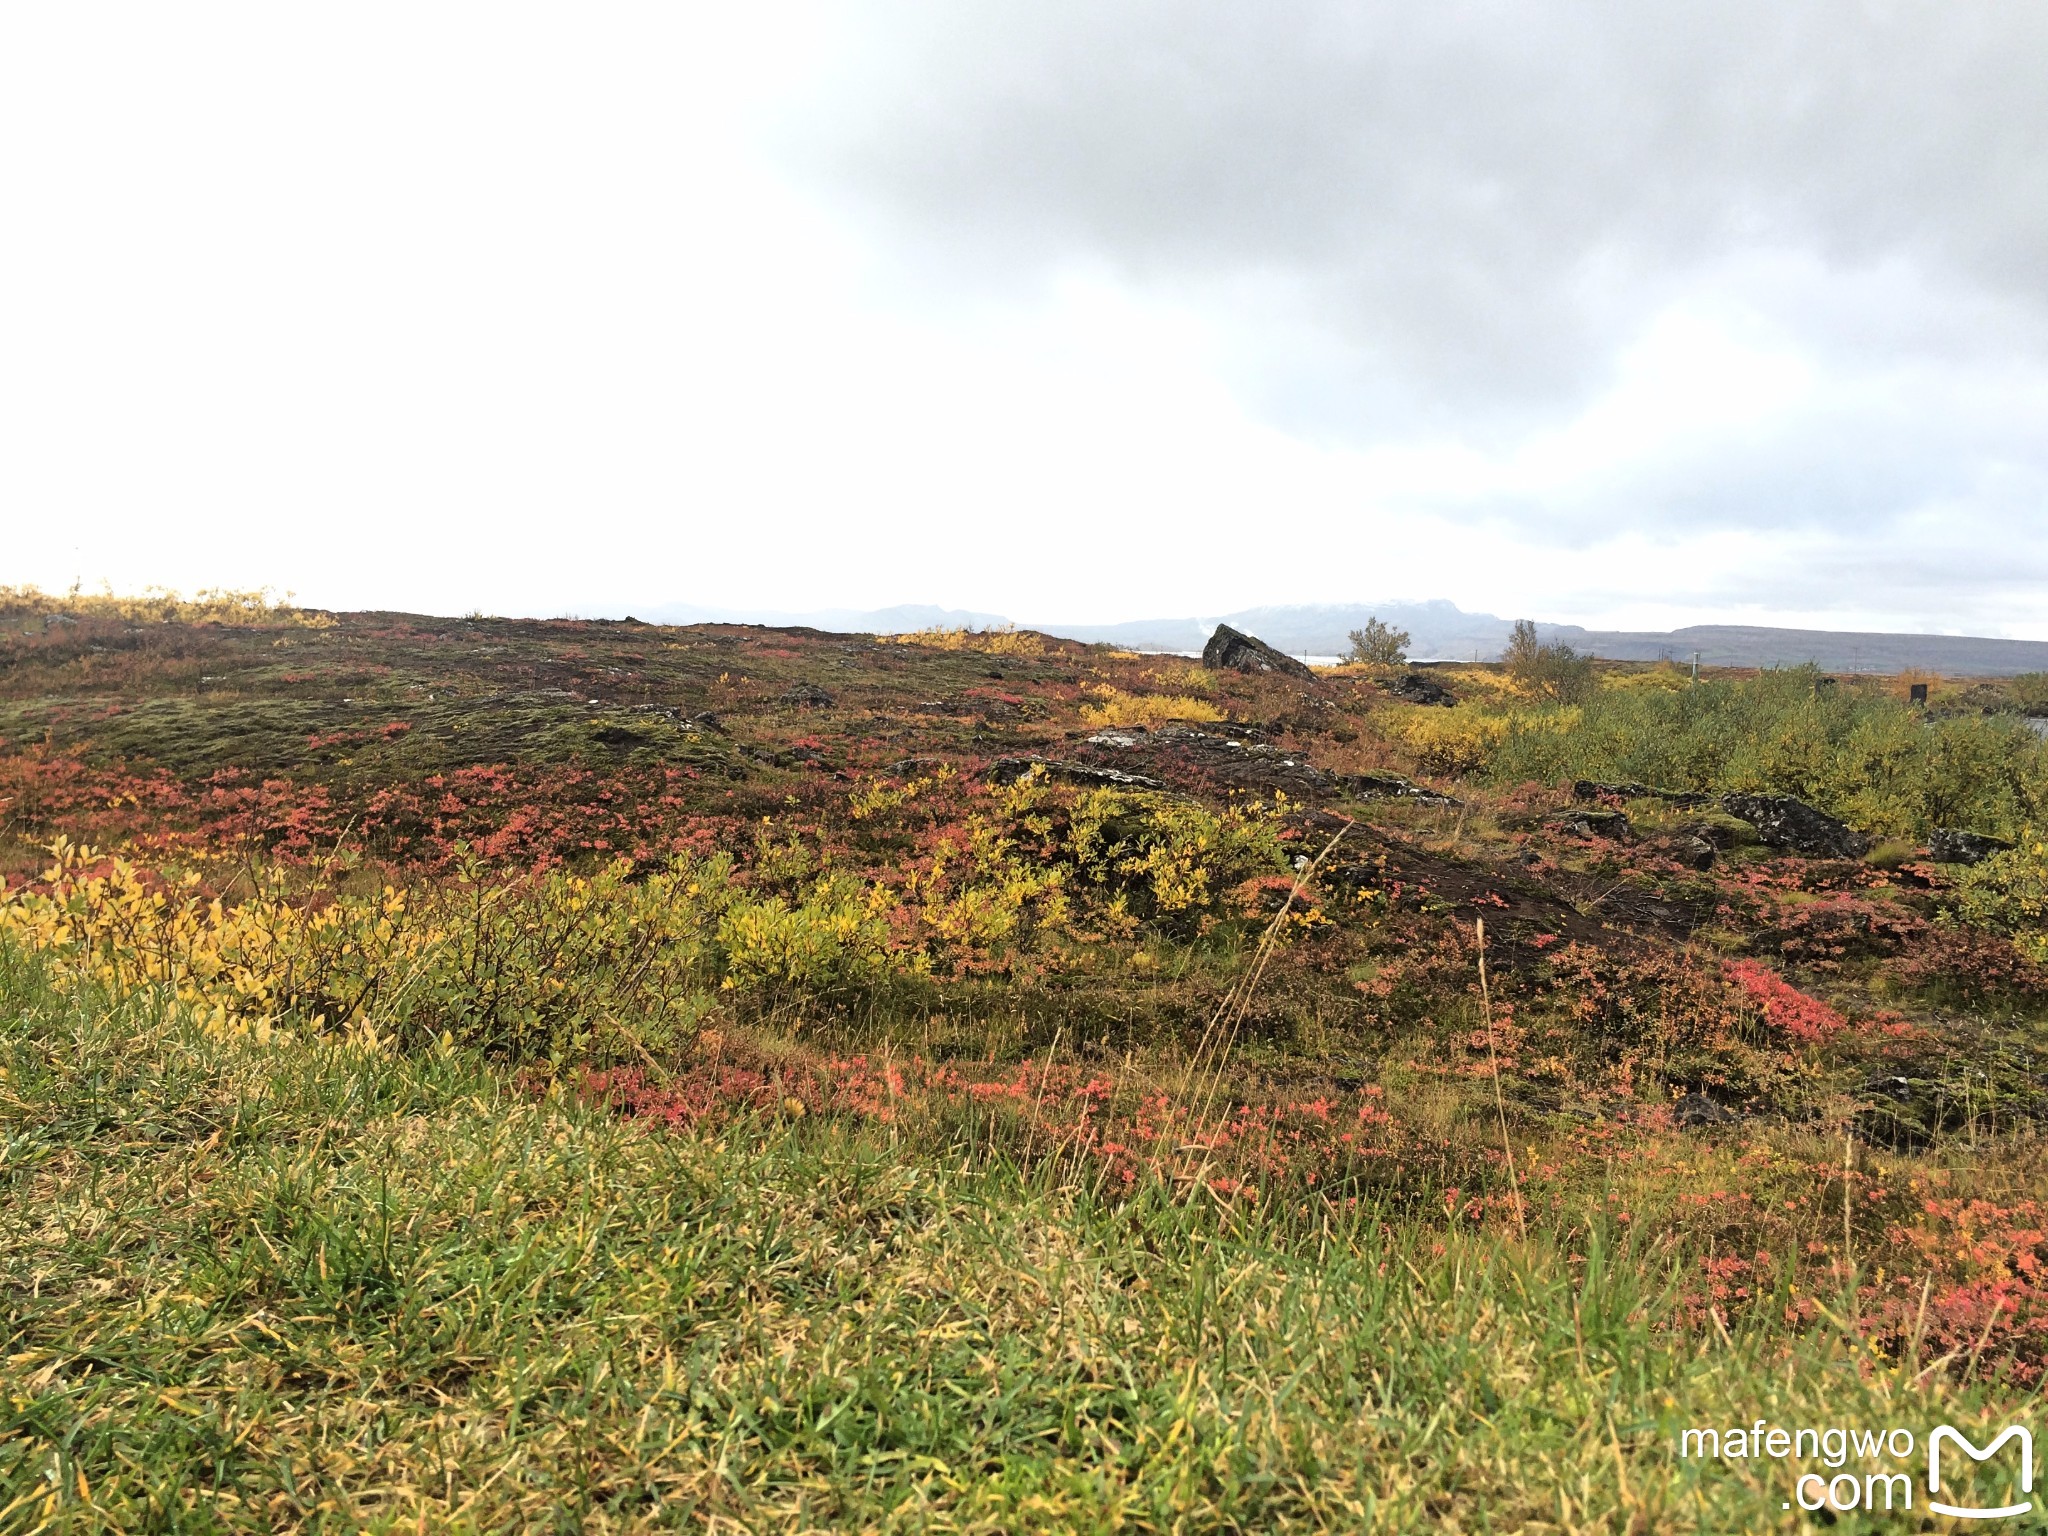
162	605
1113	706
994	642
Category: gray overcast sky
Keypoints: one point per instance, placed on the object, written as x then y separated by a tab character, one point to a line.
1602	312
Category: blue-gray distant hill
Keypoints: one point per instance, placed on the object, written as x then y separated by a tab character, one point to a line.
1442	631
903	619
1741	645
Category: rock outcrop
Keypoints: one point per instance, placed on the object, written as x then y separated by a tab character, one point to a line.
1793	825
1695	853
1415	688
1697	1112
1231	650
1612	825
1952	846
1721	831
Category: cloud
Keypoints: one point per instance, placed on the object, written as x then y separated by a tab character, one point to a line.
1502	173
1600	313
1814	238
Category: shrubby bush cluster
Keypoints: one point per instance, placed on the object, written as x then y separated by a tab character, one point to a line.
1379	644
557	964
1875	762
2008	893
1548	670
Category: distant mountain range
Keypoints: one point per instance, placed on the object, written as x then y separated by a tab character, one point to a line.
899	620
1442	631
1744	645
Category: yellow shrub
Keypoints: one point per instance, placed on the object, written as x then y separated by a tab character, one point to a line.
1486	682
554	965
1184	676
1167	860
1115	707
528	966
1665	676
875	797
833	937
1450	741
996	642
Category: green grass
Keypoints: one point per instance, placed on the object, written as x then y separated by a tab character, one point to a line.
313	1287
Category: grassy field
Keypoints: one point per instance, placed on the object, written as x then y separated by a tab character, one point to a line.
491	1075
321	1287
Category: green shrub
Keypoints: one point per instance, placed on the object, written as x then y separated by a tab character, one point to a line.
1379	644
2029	691
1174	862
1166	861
1872	760
2008	892
1553	672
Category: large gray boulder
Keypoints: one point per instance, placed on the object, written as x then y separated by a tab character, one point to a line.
1783	822
1234	651
1951	845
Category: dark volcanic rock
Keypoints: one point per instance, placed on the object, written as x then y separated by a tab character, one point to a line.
1952	846
1008	770
1783	822
1594	823
1695	853
1696	1112
1417	689
1354	879
1230	650
1720	833
1516	908
1237	763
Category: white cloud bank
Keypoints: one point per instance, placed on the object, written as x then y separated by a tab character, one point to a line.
1610	314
